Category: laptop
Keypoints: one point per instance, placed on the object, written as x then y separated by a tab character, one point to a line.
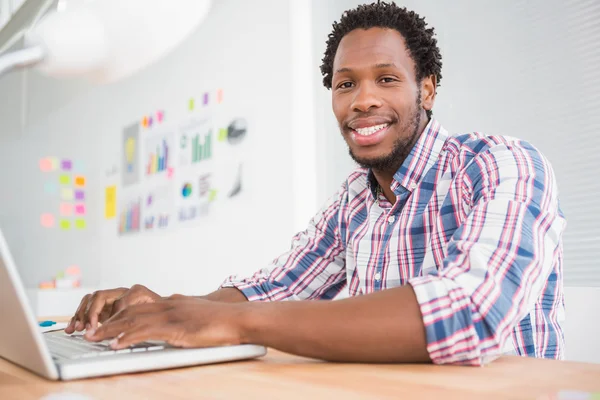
59	356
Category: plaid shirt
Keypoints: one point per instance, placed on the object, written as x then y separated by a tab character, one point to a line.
476	230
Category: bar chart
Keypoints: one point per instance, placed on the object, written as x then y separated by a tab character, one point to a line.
158	158
201	151
129	220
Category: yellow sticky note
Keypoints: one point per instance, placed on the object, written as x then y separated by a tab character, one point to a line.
66	194
80	223
222	134
80	181
110	206
64	179
65	224
212	195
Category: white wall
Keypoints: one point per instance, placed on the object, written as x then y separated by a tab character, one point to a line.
518	68
239	48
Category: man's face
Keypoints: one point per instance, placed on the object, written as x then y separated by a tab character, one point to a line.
376	98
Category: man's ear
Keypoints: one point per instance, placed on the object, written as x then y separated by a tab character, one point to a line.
428	86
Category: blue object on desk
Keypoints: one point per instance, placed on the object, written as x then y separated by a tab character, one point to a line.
47	323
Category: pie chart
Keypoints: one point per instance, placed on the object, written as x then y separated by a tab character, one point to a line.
186	191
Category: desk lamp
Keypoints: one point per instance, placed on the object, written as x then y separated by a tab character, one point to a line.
104	41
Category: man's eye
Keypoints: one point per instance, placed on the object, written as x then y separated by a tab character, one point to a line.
388	79
345	85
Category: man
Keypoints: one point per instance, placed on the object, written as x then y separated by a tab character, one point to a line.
450	246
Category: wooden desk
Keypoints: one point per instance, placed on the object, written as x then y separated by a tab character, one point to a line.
283	376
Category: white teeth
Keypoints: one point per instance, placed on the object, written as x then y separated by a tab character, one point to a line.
370	130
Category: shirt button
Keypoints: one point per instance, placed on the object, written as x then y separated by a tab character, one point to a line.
413	186
378	276
391	219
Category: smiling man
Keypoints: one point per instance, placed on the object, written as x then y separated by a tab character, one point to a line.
450	246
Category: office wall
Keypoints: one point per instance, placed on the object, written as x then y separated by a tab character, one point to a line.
240	49
524	69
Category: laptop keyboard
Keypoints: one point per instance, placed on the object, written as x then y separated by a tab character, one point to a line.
71	347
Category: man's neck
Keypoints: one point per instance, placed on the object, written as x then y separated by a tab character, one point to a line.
384	178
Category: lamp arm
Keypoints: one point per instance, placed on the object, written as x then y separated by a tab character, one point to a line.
21	58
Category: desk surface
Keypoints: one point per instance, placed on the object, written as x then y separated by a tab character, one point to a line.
280	375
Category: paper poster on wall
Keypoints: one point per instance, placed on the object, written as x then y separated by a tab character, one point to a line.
195	142
130	215
237	186
158	208
158	154
193	192
130	155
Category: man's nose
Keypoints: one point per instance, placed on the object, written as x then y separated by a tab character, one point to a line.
365	98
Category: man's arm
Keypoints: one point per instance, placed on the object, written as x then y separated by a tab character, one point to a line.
226	295
380	327
313	268
498	261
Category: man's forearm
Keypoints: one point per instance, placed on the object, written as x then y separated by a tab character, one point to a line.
226	295
381	327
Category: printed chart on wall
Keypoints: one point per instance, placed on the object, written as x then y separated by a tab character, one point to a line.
195	170
175	172
65	188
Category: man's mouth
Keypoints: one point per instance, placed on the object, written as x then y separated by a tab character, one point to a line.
367	136
371	130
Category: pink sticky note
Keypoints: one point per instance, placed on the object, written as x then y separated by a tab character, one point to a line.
66	209
170	172
219	96
80	209
45	165
159	116
47	220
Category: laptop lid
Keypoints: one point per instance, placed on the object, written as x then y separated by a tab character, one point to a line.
21	340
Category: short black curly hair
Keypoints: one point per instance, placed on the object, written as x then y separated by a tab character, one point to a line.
420	40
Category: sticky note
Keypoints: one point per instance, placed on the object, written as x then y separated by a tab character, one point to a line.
65	224
50	187
66	194
73	270
212	195
191	104
79	195
66	209
145	122
45	165
79	181
110	205
150	120
47	220
64	179
219	96
170	172
205	99
222	135
80	223
66	165
80	209
159	116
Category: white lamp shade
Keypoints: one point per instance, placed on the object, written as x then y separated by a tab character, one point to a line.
107	40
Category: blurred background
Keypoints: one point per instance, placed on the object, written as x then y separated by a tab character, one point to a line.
207	162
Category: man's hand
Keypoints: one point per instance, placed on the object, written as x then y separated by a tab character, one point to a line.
101	305
179	320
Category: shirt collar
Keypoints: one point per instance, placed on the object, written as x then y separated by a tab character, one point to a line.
422	157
